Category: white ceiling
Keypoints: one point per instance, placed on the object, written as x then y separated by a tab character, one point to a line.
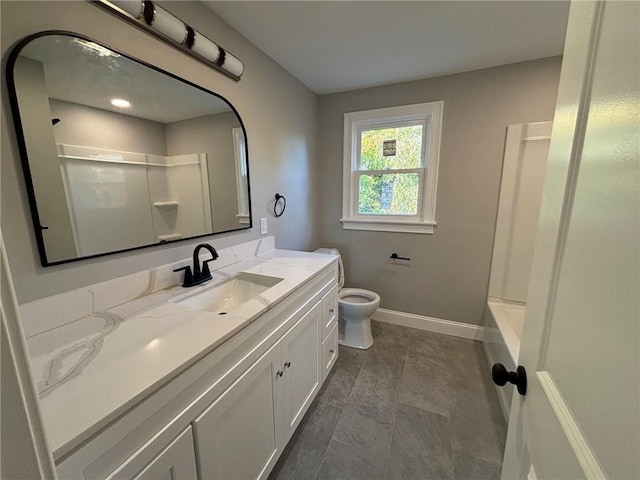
334	46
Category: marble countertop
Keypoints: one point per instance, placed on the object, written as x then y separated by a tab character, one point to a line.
93	369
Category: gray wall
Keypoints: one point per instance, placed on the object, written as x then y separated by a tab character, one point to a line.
449	271
278	111
96	128
44	166
211	134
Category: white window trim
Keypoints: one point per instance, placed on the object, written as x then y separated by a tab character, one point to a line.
424	222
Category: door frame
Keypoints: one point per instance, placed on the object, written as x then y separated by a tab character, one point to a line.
26	422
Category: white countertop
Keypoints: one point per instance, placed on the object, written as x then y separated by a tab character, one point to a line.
93	369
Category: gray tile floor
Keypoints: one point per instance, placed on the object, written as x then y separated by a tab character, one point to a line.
416	405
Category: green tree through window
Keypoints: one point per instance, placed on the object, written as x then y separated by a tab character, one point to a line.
401	188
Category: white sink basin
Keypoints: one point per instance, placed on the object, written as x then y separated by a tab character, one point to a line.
230	294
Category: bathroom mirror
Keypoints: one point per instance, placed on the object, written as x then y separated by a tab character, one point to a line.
118	154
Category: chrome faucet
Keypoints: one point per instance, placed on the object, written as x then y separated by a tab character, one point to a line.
199	275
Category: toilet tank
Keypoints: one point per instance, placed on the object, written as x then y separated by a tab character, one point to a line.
334	251
328	251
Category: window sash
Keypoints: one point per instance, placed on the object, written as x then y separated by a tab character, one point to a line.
366	126
355	182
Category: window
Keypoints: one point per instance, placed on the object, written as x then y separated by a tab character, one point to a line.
391	168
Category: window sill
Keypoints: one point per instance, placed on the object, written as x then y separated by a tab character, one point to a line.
388	225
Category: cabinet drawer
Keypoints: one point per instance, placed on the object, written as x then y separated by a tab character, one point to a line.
329	351
329	311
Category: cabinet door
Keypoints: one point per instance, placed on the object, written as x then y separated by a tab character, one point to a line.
238	436
302	368
176	462
329	311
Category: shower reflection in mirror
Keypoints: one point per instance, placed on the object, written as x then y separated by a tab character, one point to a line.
145	191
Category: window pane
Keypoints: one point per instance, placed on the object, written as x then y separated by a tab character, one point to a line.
391	148
388	194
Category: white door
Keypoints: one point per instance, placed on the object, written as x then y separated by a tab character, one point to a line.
580	417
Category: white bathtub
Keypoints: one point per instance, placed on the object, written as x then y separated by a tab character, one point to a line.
503	322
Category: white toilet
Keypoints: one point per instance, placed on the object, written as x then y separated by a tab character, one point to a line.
355	307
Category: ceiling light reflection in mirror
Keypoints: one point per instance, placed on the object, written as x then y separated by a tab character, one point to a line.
120	102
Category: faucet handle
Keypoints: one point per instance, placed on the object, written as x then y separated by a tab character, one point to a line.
188	276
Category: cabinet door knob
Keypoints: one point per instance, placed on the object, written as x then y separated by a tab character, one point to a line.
331	351
331	310
287	364
279	373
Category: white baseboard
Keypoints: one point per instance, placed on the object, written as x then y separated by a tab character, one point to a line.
492	335
431	324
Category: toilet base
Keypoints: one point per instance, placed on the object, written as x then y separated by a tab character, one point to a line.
355	334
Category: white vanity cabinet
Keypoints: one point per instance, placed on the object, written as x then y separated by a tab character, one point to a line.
231	413
244	431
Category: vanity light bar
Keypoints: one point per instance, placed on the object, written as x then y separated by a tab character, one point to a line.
133	8
152	18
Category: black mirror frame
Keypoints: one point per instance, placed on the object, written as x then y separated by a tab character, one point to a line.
22	146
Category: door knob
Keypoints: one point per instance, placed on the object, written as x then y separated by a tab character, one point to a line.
500	377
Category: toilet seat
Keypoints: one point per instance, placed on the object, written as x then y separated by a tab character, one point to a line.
359	296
